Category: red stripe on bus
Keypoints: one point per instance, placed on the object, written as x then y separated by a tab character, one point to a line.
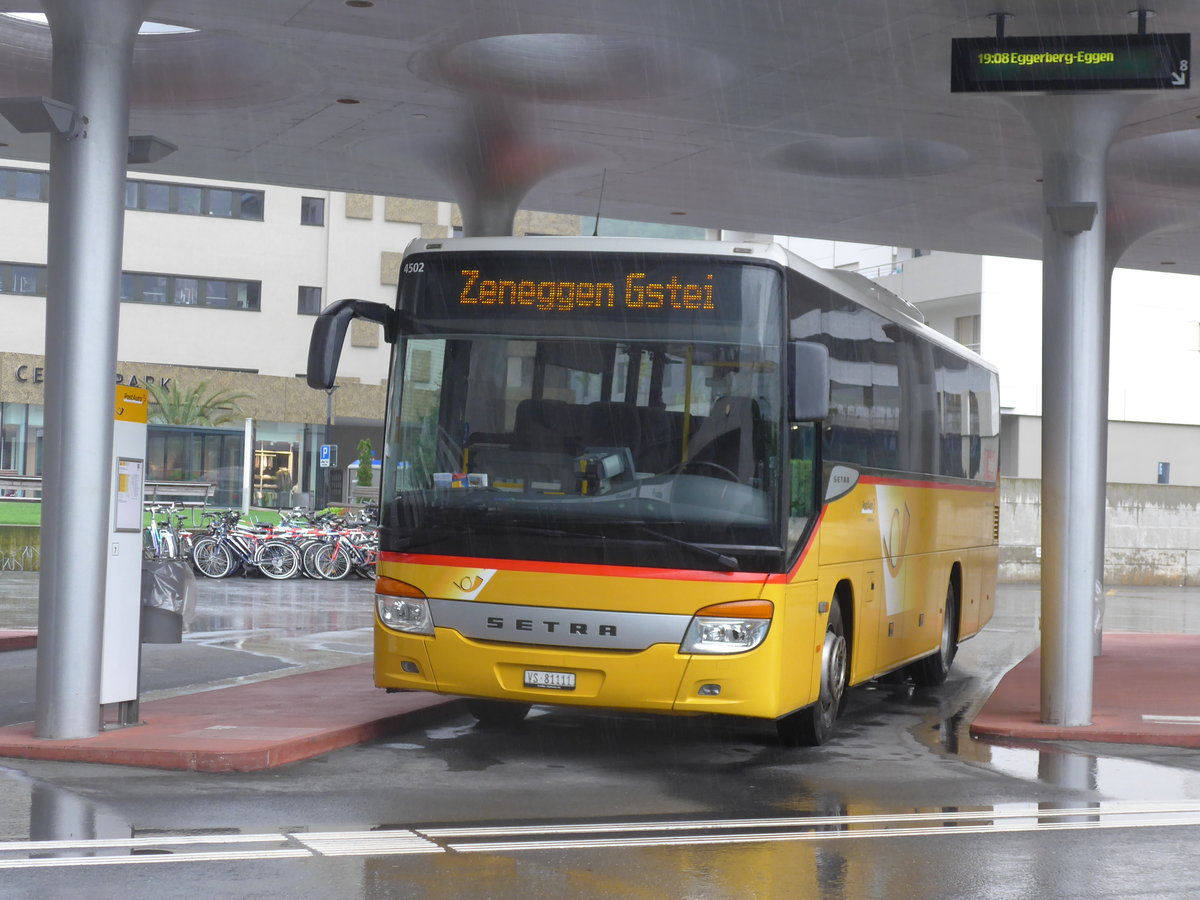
521	565
812	539
937	485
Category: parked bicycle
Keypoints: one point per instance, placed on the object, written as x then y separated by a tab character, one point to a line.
165	536
229	546
348	551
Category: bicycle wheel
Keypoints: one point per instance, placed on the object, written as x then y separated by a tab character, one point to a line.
278	559
308	552
332	562
211	558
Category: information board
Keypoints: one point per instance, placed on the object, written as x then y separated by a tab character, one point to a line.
1106	62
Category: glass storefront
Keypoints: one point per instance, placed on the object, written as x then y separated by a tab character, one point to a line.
285	465
20	439
279	465
181	453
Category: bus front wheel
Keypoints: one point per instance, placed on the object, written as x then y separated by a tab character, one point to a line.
497	713
813	725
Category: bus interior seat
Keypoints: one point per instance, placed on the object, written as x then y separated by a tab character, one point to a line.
662	433
544	425
613	424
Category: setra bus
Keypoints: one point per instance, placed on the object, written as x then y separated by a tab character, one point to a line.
671	476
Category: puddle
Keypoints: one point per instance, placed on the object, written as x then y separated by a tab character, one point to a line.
1115	777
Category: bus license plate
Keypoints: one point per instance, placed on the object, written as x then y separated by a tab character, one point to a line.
555	681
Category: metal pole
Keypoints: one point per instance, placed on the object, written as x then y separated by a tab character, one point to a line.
93	52
1076	132
247	464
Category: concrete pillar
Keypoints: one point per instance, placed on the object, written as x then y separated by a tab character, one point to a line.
93	52
1076	132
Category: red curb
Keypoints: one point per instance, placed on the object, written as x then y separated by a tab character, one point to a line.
1144	691
18	639
246	728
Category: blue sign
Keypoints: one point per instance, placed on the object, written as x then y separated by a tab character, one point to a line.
328	456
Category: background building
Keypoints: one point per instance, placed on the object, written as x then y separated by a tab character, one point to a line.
221	281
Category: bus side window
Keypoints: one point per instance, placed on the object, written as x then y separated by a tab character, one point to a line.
802	463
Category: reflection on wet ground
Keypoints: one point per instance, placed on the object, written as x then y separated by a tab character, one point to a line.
904	765
312	624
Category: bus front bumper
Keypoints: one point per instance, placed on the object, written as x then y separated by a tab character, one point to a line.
657	679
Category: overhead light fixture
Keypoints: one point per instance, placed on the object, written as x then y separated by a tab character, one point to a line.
41	115
148	148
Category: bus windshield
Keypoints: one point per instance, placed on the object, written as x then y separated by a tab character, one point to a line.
589	435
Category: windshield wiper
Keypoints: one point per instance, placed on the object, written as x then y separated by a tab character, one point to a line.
434	534
723	560
442	531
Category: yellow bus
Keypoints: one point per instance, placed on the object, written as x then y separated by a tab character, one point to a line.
671	476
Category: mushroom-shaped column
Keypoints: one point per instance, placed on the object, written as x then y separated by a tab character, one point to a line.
93	52
1076	132
495	161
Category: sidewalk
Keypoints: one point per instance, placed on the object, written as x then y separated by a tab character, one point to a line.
245	728
1146	690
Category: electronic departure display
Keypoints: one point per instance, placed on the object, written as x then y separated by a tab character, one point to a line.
1107	62
632	292
616	293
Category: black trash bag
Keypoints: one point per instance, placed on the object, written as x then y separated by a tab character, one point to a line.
168	600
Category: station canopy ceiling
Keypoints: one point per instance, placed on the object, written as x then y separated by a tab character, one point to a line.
831	120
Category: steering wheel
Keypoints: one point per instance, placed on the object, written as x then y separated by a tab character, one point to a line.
728	474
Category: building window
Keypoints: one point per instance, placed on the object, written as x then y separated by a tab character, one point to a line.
966	331
21	184
189	200
309	303
17	278
193	200
219	203
312	210
181	290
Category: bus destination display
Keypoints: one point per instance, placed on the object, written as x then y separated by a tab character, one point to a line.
1113	62
633	292
619	293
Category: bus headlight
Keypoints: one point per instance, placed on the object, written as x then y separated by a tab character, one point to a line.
728	627
402	607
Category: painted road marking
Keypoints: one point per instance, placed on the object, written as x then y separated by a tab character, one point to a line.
517	838
1172	720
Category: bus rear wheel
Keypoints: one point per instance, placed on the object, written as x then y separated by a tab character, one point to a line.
813	725
497	713
933	670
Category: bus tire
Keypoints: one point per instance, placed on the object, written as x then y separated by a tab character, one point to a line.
933	669
497	713
814	725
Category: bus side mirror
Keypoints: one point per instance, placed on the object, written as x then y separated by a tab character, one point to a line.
808	381
329	334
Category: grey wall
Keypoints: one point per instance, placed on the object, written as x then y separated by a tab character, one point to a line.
1152	533
1134	450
